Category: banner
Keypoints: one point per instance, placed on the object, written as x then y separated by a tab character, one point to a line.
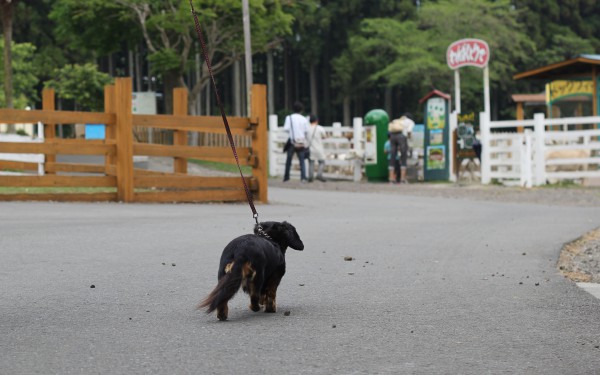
557	90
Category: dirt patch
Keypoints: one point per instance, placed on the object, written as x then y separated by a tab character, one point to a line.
549	196
580	259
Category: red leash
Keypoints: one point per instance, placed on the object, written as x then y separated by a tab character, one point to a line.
220	104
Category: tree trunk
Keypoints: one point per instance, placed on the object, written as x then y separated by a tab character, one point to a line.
347	119
314	89
388	101
326	116
111	66
198	98
138	70
270	83
208	102
170	80
193	100
130	63
237	88
7	21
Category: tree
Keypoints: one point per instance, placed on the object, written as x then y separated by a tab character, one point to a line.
561	29
24	78
95	30
7	8
169	33
97	26
325	34
413	53
83	84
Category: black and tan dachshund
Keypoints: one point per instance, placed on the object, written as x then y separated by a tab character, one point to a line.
256	262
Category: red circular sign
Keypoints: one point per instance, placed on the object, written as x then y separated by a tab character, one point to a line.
468	52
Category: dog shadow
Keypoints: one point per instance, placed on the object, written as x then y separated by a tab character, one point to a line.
246	315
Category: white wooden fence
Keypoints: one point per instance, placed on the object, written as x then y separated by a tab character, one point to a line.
30	158
344	151
548	152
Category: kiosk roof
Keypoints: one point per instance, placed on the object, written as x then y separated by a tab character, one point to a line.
578	67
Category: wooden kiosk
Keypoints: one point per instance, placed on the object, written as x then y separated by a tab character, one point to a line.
580	68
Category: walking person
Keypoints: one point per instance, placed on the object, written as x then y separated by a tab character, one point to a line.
392	173
297	127
316	134
400	129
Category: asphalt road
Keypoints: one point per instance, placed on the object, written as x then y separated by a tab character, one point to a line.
437	286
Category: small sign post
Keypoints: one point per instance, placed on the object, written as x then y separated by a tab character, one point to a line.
436	136
470	52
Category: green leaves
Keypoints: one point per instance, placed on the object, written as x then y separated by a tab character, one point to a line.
165	60
24	77
93	25
83	84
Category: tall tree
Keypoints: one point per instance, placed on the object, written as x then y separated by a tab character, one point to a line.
7	8
560	29
413	53
169	33
24	77
323	35
83	84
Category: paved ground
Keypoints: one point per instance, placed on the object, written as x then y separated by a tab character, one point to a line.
438	285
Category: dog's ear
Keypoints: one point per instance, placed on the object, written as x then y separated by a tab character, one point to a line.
292	236
266	226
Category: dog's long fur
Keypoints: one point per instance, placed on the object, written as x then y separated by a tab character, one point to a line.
255	263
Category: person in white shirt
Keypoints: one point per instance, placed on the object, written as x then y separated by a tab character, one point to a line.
297	127
316	134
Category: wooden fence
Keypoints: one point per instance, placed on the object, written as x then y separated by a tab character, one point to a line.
117	179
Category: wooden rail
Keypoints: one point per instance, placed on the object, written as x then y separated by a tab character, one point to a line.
116	179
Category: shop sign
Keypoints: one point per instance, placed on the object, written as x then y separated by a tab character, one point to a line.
468	52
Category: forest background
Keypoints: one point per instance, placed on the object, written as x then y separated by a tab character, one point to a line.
341	58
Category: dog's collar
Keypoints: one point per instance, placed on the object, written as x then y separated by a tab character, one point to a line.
262	233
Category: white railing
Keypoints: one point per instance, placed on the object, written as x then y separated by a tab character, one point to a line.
30	158
533	158
344	151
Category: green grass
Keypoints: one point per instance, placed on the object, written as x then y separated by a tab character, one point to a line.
563	184
224	167
55	190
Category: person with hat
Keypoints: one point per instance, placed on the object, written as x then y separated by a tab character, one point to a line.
400	131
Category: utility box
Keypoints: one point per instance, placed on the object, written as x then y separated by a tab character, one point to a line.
376	124
437	136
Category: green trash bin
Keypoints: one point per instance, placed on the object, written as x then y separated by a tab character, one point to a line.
378	118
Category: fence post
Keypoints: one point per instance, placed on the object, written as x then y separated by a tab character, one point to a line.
452	149
110	129
272	151
180	138
486	168
526	175
260	139
48	104
357	139
540	148
336	129
124	139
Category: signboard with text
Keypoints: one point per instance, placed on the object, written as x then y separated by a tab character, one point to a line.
468	52
561	89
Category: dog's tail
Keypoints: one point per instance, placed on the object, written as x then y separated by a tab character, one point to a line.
226	288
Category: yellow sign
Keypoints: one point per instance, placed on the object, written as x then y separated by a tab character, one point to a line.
556	90
467	117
